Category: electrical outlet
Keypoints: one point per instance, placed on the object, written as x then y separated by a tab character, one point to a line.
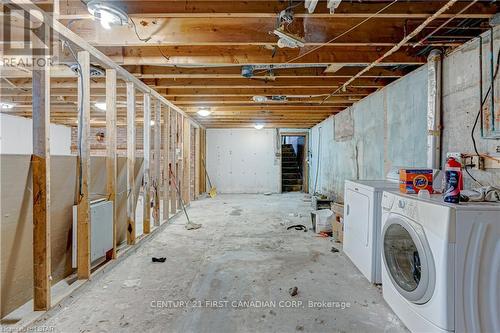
478	162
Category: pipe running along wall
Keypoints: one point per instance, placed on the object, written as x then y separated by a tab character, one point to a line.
434	109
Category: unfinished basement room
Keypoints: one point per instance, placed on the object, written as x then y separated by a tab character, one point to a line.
266	166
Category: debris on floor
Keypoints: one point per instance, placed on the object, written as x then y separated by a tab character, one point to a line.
293	291
297	227
268	193
334	249
160	259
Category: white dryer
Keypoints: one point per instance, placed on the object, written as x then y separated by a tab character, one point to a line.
362	215
441	263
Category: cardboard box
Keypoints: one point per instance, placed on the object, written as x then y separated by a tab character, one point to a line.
413	180
338	222
338	229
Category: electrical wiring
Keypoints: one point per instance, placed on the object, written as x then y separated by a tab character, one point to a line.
145	40
483	101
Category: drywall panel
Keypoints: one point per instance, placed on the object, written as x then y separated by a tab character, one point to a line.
16	227
16	136
243	160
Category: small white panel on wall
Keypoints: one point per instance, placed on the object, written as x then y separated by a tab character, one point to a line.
242	160
16	136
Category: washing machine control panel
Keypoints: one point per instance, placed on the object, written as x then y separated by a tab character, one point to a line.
406	208
387	201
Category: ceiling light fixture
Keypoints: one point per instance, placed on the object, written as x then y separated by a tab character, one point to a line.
6	106
152	123
204	112
259	99
100	105
107	14
258	126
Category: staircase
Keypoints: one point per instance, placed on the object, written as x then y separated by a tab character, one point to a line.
291	179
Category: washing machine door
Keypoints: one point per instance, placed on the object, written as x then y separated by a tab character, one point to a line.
408	259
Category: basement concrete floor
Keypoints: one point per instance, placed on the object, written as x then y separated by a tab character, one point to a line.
232	275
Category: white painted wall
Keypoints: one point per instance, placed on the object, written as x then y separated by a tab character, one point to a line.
16	136
243	160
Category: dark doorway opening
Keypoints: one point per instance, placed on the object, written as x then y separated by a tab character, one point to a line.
293	162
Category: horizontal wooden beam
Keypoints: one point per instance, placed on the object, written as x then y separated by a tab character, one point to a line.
248	55
73	9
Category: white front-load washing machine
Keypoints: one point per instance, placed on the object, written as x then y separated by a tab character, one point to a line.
441	263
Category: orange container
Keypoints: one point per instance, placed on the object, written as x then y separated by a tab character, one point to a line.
413	180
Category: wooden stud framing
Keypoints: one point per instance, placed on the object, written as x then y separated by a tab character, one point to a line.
173	163
166	161
197	163
131	204
180	174
111	165
83	208
186	160
203	159
40	163
147	181
157	165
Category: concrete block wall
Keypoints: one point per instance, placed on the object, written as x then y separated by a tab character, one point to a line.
390	125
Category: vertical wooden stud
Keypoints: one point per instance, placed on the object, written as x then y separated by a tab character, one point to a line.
166	161
111	147
173	163
179	173
146	149
40	164
197	163
131	203
83	207
157	165
186	146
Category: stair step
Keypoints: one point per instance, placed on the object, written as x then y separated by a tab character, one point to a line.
289	158
291	188
291	181
289	164
289	169
290	175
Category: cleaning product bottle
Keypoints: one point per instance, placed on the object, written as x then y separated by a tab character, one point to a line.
453	176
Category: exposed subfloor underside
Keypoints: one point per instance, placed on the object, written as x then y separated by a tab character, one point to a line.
243	252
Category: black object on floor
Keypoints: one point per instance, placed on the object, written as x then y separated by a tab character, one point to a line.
334	249
293	291
161	259
297	227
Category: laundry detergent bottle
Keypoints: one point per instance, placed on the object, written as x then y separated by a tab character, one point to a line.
453	178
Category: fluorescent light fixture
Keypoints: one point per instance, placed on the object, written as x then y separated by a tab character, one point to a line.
258	126
152	123
259	99
5	106
101	106
204	112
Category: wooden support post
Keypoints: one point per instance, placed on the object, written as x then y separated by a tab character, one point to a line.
186	154
40	166
166	161
173	164
157	166
111	165
197	164
131	203
203	182
147	179
83	208
179	173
